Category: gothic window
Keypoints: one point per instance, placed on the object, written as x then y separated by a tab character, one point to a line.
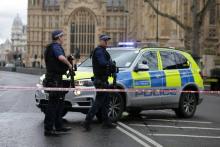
212	14
122	22
108	21
116	29
218	10
82	32
56	23
51	4
32	2
115	5
109	3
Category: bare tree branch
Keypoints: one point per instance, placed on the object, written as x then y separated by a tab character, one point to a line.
204	10
173	18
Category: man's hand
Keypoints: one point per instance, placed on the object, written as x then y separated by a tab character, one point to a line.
70	67
65	61
70	58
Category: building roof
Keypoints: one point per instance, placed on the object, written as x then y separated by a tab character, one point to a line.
17	21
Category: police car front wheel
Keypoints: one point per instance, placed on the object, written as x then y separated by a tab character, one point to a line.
116	106
187	105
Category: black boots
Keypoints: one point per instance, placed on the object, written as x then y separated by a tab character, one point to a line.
86	126
51	133
57	132
109	126
64	129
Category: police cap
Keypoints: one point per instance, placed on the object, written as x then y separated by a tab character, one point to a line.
57	33
104	37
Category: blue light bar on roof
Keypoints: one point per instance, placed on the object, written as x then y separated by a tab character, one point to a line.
126	43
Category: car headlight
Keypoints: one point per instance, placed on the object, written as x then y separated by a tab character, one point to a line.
77	92
41	82
86	83
41	79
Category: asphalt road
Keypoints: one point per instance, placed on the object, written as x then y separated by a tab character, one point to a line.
21	124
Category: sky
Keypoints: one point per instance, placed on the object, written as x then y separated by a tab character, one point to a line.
8	11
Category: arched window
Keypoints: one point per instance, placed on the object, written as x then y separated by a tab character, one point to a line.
82	31
48	3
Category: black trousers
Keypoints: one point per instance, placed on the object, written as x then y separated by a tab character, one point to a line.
55	107
101	102
53	116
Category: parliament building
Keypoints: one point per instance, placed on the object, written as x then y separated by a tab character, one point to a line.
124	20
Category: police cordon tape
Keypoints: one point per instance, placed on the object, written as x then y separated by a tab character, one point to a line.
130	90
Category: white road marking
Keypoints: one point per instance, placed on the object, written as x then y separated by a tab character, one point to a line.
182	135
164	111
183	121
133	137
176	127
140	135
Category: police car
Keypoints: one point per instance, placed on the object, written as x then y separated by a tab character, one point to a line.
158	75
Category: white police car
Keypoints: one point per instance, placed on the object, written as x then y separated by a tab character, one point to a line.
164	72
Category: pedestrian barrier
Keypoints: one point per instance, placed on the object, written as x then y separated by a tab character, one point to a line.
130	90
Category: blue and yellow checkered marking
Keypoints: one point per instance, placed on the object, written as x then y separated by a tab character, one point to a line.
125	78
142	83
157	78
166	78
186	76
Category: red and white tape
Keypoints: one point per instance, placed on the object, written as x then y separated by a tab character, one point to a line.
130	90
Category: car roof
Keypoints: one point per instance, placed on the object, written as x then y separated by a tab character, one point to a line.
145	49
123	48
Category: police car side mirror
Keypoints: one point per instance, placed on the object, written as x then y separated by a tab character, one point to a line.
141	67
144	62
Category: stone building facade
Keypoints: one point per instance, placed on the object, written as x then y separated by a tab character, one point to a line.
19	38
5	49
124	20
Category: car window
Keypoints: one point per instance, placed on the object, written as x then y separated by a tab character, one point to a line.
168	60
181	61
149	58
123	58
173	60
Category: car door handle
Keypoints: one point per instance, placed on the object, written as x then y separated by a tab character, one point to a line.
157	76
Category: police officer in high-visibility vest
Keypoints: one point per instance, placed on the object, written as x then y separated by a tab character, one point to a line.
101	62
56	65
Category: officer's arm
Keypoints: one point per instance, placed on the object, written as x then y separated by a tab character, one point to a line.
64	60
101	58
60	56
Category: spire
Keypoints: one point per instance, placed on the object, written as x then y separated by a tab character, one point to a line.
17	21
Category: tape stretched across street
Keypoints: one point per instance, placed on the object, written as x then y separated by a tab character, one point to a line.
130	90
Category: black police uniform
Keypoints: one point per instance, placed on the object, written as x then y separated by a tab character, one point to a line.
54	71
101	62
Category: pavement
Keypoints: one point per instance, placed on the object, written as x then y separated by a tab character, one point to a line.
21	124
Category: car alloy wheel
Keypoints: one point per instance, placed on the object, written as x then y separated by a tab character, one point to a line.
116	106
187	105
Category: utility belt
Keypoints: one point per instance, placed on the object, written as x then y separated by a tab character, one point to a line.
53	76
100	82
54	80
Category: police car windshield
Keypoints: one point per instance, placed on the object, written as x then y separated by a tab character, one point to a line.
123	57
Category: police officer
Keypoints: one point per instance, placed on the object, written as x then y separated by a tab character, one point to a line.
101	62
56	65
